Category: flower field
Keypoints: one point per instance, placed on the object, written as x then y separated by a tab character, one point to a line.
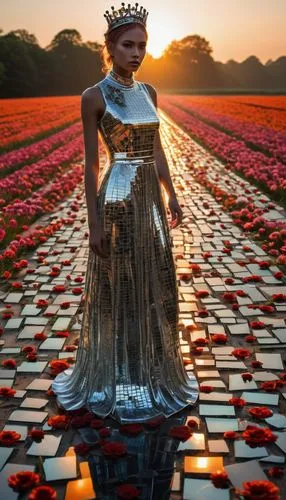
247	133
41	163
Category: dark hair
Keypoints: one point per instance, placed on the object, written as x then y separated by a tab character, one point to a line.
112	37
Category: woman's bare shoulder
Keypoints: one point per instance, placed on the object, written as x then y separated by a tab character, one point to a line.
92	98
152	91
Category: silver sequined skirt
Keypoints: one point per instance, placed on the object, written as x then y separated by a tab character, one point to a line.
129	363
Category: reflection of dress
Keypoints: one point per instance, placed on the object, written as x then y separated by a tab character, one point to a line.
129	364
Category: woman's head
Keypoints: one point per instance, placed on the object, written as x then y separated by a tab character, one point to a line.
124	44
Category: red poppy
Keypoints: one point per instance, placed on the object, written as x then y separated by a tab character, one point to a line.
220	479
275	472
259	490
256	364
246	377
241	293
7	392
250	339
104	432
202	293
40	336
23	481
260	412
9	363
219	338
28	348
81	449
229	296
267	309
37	435
77	291
238	402
206	388
229	281
59	422
201	342
241	353
59	289
42	303
9	438
43	492
257	325
58	365
193	424
257	437
96	423
61	334
114	449
65	305
202	313
32	356
271	385
230	435
127	491
182	432
131	429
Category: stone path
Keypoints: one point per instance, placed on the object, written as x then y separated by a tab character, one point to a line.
216	298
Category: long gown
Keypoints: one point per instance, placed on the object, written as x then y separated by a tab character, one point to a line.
129	363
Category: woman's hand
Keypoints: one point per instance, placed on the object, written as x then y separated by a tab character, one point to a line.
97	241
176	212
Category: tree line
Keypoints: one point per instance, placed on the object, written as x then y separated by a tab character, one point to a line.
68	65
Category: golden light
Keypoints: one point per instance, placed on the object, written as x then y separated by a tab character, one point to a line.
161	33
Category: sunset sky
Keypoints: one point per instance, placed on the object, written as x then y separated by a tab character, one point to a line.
235	29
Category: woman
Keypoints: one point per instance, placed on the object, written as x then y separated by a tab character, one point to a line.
129	364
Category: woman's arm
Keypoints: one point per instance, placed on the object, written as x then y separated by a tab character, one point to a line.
89	112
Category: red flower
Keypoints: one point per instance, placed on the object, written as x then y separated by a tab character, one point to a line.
28	348
259	490
256	364
257	325
257	437
43	492
241	293
201	342
9	438
65	305
23	481
77	291
267	309
131	429
260	412
32	356
9	363
220	479
96	423
206	388
219	338
59	288
229	296
246	377
37	435
61	334
250	339
58	366
202	313
197	351
181	432
104	432
81	449
7	392
127	491
193	424
275	472
59	422
70	348
241	353
271	385
238	402
40	336
230	435
114	449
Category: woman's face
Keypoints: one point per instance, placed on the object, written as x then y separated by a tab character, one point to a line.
129	49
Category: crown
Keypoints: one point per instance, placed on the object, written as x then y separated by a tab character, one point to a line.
125	15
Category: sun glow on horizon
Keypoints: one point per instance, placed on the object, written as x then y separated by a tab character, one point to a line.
160	35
